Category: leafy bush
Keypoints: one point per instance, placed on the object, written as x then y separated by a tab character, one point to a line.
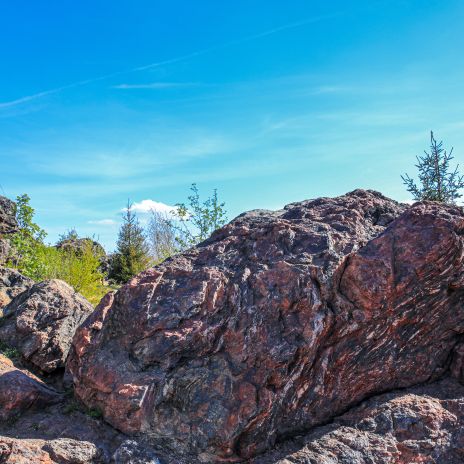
80	267
198	220
80	270
26	243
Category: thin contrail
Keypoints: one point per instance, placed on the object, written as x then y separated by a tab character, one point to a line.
178	59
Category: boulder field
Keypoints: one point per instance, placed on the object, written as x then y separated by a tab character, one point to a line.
329	332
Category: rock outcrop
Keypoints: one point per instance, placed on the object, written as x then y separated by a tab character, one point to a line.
79	245
422	425
20	391
41	322
8	225
12	283
280	322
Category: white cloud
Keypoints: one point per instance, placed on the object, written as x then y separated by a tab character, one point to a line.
147	206
103	222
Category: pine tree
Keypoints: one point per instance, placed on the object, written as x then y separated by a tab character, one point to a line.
132	254
437	181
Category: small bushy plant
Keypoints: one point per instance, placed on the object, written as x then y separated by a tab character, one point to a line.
198	220
80	267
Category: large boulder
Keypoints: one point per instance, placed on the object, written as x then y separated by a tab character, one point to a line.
12	283
41	322
277	323
20	391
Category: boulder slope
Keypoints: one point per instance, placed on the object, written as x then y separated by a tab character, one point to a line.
279	322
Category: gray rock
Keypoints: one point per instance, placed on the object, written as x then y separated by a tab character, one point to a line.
131	452
8	224
41	322
69	451
12	283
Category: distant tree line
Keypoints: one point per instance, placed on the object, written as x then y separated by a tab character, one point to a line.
165	235
82	261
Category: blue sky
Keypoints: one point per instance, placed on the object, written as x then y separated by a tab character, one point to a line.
270	102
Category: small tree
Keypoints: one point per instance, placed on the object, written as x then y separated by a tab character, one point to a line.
437	181
198	220
132	254
161	237
69	235
27	242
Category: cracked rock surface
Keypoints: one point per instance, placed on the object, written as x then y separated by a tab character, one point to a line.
40	323
278	323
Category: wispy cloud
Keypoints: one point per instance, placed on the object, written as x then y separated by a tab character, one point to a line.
103	222
174	60
28	98
156	85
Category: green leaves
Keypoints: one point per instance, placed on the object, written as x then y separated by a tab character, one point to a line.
28	241
437	181
198	220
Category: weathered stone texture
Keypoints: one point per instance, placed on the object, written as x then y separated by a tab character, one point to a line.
41	322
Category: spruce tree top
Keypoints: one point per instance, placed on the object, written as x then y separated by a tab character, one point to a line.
437	181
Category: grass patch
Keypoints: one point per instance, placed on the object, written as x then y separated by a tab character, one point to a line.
9	352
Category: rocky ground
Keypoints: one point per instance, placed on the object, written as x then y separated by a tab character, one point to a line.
329	332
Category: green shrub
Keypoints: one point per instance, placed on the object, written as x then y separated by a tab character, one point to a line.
80	270
27	241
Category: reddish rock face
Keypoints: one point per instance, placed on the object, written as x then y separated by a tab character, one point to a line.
41	322
418	426
278	323
20	391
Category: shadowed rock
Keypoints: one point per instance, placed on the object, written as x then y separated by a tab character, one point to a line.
21	391
41	322
12	283
8	224
418	426
279	322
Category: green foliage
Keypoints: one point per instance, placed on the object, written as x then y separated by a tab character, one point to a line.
132	254
437	181
27	242
94	413
80	269
70	234
198	220
9	352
